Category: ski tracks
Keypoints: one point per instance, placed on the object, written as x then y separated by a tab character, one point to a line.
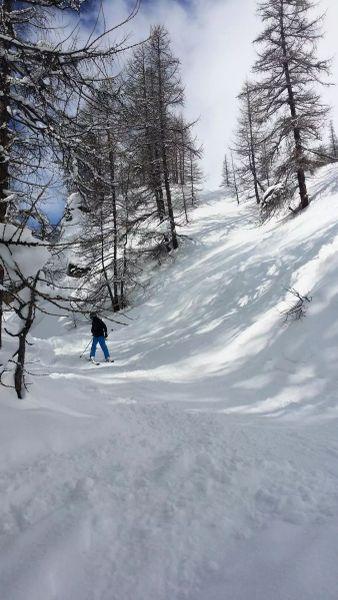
158	502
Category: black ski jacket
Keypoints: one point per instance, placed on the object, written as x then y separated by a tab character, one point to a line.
99	328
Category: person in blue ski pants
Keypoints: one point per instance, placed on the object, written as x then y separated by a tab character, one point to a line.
100	333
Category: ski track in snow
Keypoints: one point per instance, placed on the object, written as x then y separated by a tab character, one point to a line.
203	464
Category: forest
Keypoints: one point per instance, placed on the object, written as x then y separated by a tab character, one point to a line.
168	300
115	144
126	160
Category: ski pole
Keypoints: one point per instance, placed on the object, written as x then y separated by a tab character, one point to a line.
81	355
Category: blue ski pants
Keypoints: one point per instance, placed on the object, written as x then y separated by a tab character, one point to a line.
99	340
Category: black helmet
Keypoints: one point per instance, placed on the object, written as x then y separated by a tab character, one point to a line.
92	315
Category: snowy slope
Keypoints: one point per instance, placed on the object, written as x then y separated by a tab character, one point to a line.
203	464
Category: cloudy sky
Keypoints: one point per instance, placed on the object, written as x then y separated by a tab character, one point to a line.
213	39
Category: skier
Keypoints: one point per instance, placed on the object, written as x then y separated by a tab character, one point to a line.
100	334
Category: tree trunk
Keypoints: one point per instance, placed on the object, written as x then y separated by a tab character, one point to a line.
116	304
19	375
227	172
4	137
192	180
105	274
333	141
125	242
252	145
158	184
164	152
234	178
182	179
304	198
266	165
154	174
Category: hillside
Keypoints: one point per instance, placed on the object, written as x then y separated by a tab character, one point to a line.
202	465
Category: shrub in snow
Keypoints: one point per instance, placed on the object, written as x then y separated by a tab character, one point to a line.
274	199
298	309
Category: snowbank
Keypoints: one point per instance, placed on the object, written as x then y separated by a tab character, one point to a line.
20	250
203	463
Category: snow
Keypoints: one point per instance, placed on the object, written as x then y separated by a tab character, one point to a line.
272	190
203	463
22	251
72	231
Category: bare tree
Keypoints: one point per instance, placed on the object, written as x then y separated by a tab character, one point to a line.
333	142
184	155
290	73
167	93
195	173
41	85
139	115
249	140
234	177
225	173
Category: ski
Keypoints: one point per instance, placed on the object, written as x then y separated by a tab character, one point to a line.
97	363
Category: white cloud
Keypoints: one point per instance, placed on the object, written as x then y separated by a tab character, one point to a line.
329	49
213	40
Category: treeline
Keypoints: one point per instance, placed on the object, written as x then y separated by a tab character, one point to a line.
127	157
279	135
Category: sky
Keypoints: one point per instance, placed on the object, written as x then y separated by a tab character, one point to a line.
213	39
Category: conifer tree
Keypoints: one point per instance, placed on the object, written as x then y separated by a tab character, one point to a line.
167	93
234	182
225	173
140	117
159	138
249	140
333	142
290	72
41	82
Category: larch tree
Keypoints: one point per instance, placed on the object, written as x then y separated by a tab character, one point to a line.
249	140
140	119
290	73
129	163
184	156
225	173
234	180
333	142
160	140
42	80
107	179
195	173
167	94
131	142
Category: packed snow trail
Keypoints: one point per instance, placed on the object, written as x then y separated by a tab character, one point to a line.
203	463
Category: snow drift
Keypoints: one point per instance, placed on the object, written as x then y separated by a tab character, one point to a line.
203	464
